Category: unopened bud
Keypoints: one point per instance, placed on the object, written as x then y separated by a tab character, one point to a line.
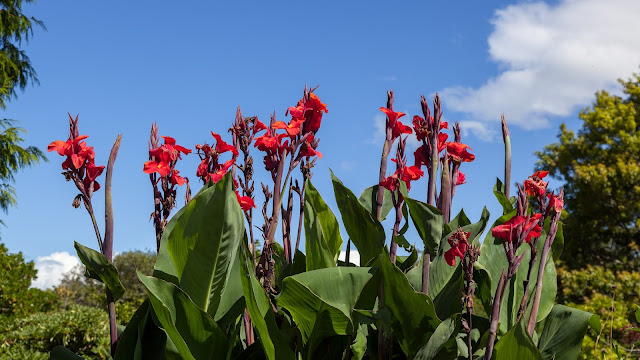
76	201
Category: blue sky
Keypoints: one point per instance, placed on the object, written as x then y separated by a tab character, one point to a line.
122	66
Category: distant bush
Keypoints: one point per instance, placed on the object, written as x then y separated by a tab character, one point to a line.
591	289
81	329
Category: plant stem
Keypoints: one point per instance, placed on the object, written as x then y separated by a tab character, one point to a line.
108	241
507	157
445	190
495	316
248	328
426	263
525	295
394	246
381	177
301	217
89	207
553	228
348	254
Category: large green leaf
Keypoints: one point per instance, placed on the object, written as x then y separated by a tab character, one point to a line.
322	231
369	200
414	317
261	312
201	241
365	231
428	222
459	221
101	269
62	353
232	298
194	333
334	291
516	344
442	344
142	338
493	259
562	332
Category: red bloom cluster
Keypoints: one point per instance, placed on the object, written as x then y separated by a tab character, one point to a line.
534	186
397	128
404	173
422	126
308	112
163	160
517	226
556	203
458	152
210	169
459	246
80	163
420	153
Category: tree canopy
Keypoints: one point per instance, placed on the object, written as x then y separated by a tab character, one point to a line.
600	165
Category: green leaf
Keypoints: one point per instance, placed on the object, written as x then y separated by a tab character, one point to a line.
399	297
261	312
562	332
405	263
516	344
436	346
428	222
365	231
232	298
369	200
101	269
449	301
359	346
143	336
322	231
62	353
459	221
332	290
201	241
507	204
194	333
493	259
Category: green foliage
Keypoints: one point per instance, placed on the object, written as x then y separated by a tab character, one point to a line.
101	269
15	66
13	157
16	298
75	288
591	289
601	169
83	330
322	231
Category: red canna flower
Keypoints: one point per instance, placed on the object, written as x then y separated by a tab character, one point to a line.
222	147
220	172
517	225
80	160
406	174
164	157
292	129
314	108
555	203
307	148
459	246
461	179
421	127
259	126
458	152
508	230
420	157
534	186
397	128
246	203
176	179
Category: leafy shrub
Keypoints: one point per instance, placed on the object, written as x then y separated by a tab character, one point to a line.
591	289
81	329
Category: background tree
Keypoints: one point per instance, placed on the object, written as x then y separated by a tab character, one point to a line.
601	169
16	297
75	288
15	66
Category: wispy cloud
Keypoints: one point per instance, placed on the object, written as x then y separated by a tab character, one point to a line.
553	59
51	267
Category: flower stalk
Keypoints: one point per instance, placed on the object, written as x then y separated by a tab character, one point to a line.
507	157
553	228
108	242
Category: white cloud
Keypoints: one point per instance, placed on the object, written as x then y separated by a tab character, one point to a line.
354	256
50	269
553	59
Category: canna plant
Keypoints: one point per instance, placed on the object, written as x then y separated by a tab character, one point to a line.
212	295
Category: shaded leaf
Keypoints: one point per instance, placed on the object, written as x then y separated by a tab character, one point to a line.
322	231
562	332
369	200
101	269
